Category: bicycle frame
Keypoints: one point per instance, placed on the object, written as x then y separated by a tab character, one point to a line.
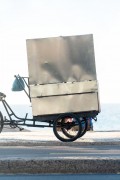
18	121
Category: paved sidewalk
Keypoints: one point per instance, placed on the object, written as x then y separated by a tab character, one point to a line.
46	136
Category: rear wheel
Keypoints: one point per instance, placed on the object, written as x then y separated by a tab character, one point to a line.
67	127
1	122
84	124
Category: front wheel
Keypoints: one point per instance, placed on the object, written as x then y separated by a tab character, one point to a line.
67	127
1	122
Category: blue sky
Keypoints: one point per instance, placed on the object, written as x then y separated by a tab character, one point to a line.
27	19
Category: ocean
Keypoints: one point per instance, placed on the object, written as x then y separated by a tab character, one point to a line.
107	120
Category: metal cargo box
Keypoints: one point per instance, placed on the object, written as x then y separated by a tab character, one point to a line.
62	75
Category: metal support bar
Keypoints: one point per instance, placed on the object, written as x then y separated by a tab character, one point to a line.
23	78
19	121
8	108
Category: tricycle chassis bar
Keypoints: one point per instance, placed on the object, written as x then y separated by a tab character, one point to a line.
20	121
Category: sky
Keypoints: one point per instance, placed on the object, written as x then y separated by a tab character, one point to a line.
29	19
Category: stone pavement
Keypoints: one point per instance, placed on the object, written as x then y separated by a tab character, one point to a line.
45	137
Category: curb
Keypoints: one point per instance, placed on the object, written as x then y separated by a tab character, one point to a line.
35	166
54	143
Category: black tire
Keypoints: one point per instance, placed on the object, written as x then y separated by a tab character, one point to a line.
84	128
1	121
61	128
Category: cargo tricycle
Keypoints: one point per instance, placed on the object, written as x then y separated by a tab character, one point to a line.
62	86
